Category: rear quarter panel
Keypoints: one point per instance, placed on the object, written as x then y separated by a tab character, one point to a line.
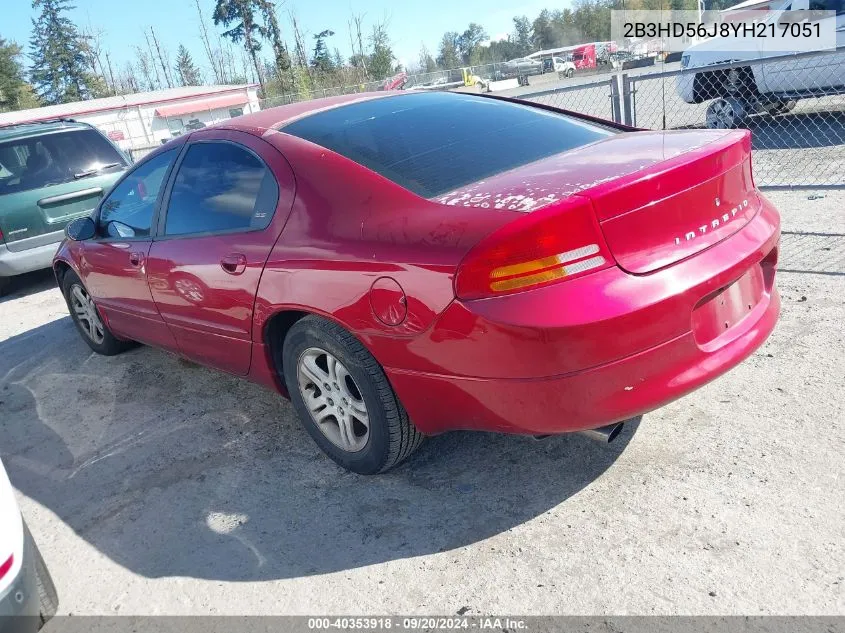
349	227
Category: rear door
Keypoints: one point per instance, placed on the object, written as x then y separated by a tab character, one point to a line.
227	204
48	180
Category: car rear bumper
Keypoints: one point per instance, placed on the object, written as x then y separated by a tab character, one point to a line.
19	262
651	339
19	604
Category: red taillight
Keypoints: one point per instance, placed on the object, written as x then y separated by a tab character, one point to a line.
543	247
5	567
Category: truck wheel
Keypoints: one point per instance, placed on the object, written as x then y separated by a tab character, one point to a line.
725	114
570	73
344	400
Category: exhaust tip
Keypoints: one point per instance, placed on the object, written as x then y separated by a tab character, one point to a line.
605	434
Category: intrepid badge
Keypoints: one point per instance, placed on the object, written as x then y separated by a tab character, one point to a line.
713	224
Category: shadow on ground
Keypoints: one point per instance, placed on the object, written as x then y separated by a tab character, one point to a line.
28	284
801	130
174	470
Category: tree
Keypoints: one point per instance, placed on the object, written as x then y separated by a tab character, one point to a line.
186	71
449	55
427	63
381	59
337	59
59	69
468	43
238	16
273	32
15	93
522	36
543	35
321	59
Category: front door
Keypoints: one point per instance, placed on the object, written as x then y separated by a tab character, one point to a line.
214	237
113	265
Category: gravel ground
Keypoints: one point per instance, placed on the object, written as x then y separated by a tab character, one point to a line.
155	486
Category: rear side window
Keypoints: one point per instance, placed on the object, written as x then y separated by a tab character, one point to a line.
432	143
221	187
55	158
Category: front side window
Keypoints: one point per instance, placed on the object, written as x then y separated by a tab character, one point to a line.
55	158
221	187
128	210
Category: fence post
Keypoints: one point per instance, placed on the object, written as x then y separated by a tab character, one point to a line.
627	100
615	106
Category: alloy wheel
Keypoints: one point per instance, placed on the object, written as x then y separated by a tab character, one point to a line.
86	314
333	399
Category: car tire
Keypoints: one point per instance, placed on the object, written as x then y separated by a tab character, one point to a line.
48	597
725	114
353	414
90	324
570	73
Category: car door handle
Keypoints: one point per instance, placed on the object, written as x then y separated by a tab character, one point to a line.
233	264
136	259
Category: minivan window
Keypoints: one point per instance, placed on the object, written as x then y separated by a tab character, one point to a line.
220	186
55	158
128	209
433	143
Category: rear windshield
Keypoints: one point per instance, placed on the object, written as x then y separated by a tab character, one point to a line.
433	143
54	158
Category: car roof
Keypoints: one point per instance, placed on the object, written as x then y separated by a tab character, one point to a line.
279	116
24	130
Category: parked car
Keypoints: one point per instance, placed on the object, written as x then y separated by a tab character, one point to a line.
28	596
522	67
559	65
50	173
773	87
395	277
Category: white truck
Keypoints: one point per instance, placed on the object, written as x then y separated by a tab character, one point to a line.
773	87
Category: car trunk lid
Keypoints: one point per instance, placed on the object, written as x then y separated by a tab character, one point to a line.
659	197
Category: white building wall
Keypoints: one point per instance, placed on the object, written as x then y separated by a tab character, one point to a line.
142	130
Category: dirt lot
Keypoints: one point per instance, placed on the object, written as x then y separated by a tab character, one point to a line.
155	486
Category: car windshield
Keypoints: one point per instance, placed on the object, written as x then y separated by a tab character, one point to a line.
434	143
53	158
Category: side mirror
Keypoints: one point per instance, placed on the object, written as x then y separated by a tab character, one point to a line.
81	229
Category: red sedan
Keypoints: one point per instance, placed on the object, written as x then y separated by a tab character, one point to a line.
406	264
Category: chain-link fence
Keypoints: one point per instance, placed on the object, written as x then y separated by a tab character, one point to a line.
599	99
794	106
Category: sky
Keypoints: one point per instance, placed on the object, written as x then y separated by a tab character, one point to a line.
411	23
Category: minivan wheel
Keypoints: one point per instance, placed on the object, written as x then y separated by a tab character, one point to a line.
87	318
344	400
